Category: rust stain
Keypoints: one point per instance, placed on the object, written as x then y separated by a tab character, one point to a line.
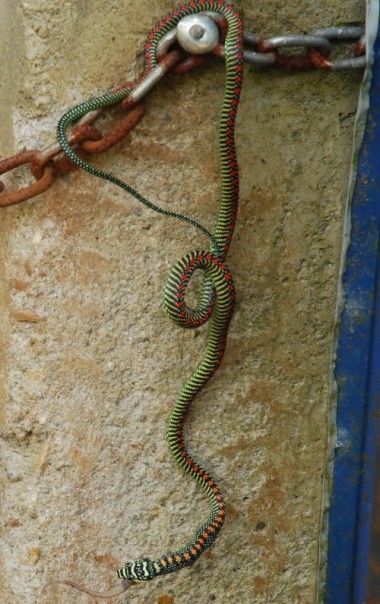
81	366
165	600
87	265
19	285
270	496
32	556
14	522
28	268
107	560
92	260
266	392
265	202
232	512
261	585
242	444
206	202
24	316
43	459
84	461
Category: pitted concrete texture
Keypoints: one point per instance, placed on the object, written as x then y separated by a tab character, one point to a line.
90	366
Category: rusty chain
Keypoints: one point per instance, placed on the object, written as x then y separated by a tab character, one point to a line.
312	51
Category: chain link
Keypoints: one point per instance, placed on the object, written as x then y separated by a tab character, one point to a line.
315	49
312	52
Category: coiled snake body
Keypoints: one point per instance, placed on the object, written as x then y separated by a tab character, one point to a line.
217	298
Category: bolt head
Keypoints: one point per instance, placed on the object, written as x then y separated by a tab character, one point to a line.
197	34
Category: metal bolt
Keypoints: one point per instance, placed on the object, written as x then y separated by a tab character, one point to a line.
197	34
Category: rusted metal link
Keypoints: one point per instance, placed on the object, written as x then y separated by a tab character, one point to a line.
300	62
316	49
120	131
165	65
341	34
45	170
86	137
319	61
31	190
189	63
264	52
20	159
259	59
89	138
80	134
316	46
41	166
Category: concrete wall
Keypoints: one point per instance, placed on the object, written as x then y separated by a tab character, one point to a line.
90	365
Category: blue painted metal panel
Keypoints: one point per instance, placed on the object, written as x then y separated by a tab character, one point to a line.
358	379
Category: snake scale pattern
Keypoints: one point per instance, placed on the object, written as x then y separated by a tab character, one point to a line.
217	298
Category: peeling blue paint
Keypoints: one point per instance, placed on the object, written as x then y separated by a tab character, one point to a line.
358	377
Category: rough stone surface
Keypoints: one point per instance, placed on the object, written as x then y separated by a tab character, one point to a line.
90	365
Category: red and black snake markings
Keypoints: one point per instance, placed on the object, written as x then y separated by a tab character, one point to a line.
217	299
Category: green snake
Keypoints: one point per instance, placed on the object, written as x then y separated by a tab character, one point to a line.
217	298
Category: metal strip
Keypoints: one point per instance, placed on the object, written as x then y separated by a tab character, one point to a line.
355	475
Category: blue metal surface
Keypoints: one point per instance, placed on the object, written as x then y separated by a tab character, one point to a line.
358	379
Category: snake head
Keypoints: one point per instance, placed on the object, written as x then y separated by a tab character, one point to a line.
139	570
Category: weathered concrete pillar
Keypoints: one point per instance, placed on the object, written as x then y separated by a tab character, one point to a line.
90	366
